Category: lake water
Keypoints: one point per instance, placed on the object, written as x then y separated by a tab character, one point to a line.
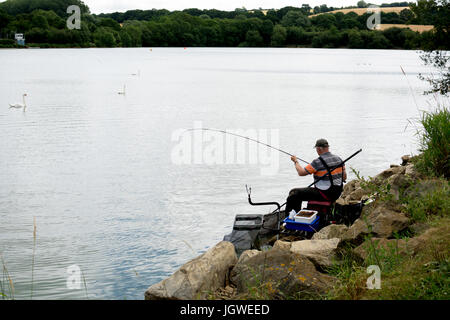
97	169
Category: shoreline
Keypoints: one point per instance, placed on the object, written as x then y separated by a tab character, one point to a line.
298	268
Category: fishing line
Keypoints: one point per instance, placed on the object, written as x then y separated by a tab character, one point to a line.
248	138
410	88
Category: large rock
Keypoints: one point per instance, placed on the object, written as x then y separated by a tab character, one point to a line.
356	232
405	247
405	160
280	274
411	171
198	277
331	231
282	245
398	182
247	254
350	187
320	252
381	177
384	221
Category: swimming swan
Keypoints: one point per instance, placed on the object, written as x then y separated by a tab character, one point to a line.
122	92
18	105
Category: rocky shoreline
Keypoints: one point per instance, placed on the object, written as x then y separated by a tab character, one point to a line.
298	268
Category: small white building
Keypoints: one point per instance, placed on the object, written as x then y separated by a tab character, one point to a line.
20	39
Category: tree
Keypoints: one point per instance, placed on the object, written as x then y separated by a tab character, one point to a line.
104	38
295	19
266	30
406	15
5	19
437	13
15	7
279	36
39	20
362	4
110	23
296	35
355	41
439	82
324	21
253	38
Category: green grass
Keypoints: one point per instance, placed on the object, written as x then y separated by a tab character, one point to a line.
403	276
434	140
432	203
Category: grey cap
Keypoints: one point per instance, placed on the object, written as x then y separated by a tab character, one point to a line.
321	143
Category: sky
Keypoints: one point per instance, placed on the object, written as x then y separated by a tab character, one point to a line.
105	6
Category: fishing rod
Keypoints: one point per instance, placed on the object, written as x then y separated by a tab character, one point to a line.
248	138
335	167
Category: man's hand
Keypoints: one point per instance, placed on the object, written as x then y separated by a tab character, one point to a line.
294	159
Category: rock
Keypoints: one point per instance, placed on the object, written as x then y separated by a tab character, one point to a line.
419	227
247	254
405	159
330	232
280	274
356	232
384	221
353	234
412	172
388	246
350	187
282	245
198	277
405	247
226	293
320	252
356	195
381	177
398	182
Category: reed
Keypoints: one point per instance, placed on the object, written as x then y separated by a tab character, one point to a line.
6	284
32	259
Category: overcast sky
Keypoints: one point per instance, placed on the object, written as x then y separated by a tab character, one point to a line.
99	6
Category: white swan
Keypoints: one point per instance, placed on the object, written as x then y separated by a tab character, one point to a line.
122	92
18	105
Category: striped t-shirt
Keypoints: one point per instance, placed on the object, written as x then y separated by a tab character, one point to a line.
317	168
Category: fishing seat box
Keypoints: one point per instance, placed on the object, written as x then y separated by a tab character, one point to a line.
308	227
323	208
245	231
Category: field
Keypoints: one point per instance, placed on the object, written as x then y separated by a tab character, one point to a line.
361	11
419	27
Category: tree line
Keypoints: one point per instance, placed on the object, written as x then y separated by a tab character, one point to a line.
44	24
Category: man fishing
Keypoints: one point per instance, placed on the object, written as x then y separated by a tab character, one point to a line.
327	188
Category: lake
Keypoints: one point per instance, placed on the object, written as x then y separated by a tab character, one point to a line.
101	174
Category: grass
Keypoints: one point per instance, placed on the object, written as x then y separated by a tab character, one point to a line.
434	141
7	290
403	277
6	283
32	260
432	203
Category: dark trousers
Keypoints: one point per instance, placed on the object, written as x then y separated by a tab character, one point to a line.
298	195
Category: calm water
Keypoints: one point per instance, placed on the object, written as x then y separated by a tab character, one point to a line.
95	168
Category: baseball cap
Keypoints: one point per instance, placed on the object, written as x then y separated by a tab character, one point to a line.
321	143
